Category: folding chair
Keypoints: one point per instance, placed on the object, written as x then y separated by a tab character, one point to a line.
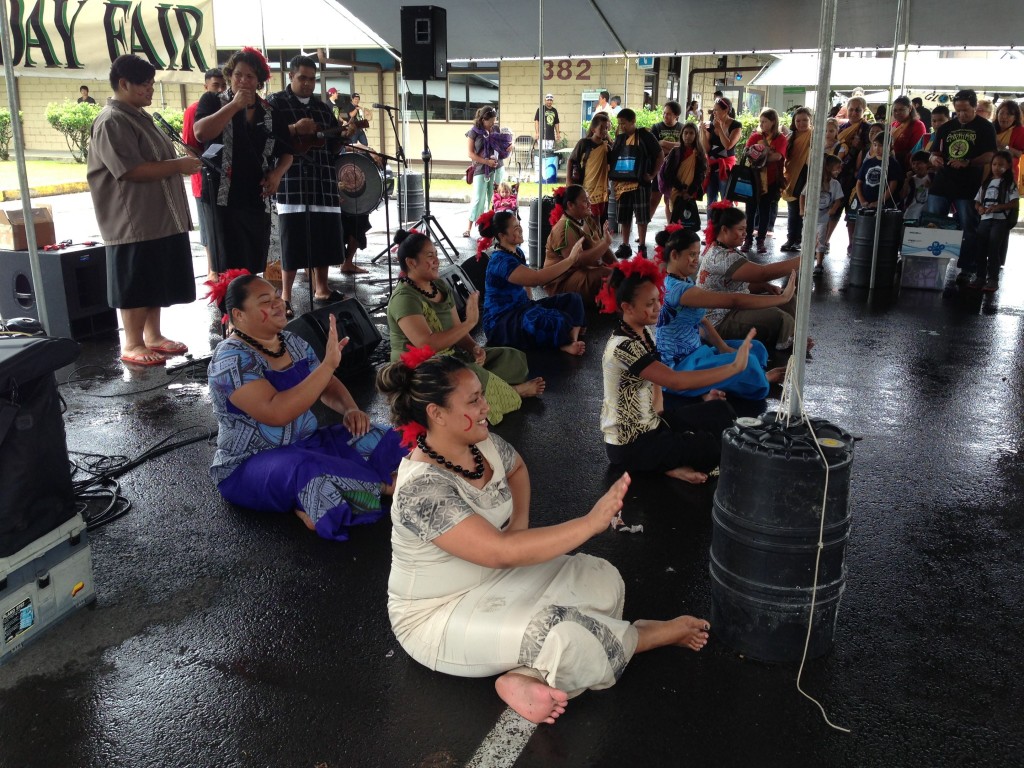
523	157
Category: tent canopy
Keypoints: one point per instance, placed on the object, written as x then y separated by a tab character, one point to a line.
492	29
923	71
305	24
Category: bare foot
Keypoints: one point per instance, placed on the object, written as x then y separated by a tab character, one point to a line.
535	700
352	269
688	475
575	348
684	631
531	388
714	394
305	519
810	343
776	375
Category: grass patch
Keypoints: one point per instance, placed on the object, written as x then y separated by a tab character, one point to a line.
42	173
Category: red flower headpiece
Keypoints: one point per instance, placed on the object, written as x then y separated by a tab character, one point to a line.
638	265
659	251
218	289
483	243
411	359
558	211
710	233
265	74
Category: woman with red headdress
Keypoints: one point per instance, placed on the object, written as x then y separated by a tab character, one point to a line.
571	222
254	155
640	433
271	454
474	591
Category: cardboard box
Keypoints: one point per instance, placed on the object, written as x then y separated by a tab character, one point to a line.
931	241
12	227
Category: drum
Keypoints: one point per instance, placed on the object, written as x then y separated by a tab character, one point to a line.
360	183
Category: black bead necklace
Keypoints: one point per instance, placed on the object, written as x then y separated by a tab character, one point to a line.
476	474
253	343
408	281
646	340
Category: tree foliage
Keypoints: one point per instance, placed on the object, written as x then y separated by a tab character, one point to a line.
74	122
6	132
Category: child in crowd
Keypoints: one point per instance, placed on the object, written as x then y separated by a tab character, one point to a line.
833	145
506	196
640	432
997	202
940	116
687	341
870	177
916	185
681	179
830	203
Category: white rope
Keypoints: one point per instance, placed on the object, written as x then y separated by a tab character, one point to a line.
787	391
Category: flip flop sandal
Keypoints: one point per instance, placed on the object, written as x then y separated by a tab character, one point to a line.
288	311
169	348
142	360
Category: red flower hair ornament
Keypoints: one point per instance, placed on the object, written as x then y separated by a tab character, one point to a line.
638	265
710	233
411	359
483	243
659	251
218	289
265	67
558	211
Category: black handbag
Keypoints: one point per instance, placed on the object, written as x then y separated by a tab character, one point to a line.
744	184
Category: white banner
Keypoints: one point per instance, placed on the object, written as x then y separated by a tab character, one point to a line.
80	38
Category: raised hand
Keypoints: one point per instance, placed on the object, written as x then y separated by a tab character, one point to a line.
608	508
787	294
473	308
743	353
332	353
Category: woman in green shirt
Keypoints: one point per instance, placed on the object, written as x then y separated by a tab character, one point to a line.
421	312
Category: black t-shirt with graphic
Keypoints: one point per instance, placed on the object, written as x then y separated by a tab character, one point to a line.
663	132
550	121
956	141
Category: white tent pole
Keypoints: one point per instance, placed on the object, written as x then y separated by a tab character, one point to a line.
826	44
906	46
886	149
541	133
19	158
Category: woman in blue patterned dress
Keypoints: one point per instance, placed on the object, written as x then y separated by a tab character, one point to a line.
511	318
687	341
474	591
271	455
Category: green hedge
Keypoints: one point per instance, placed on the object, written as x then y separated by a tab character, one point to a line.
73	121
6	132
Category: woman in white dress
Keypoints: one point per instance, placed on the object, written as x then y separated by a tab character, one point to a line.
474	591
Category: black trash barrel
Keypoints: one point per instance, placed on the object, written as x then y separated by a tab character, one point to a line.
613	210
537	251
414	201
889	240
765	525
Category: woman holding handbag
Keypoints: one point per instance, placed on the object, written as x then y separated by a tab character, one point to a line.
720	137
766	150
487	148
588	165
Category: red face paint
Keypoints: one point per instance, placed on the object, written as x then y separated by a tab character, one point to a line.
469	424
265	314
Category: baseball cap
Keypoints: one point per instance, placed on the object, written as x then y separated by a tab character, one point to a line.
549	96
331	91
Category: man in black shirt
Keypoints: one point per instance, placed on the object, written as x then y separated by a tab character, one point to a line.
85	98
667	132
552	130
309	187
961	150
634	161
923	113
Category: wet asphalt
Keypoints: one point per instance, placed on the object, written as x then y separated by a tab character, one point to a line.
221	637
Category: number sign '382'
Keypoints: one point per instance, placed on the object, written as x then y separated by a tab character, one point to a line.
566	69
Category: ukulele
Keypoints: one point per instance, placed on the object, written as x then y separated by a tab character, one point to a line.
303	143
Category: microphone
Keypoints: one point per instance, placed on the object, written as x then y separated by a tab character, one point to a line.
329	133
160	119
384	106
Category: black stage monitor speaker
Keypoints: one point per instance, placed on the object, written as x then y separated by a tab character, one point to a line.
352	321
75	281
459	285
424	42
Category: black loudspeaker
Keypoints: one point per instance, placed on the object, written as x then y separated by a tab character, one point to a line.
459	285
75	282
35	476
352	321
424	42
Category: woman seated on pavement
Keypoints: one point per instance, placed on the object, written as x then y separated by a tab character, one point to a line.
682	322
641	434
511	318
588	165
474	591
571	221
271	455
724	269
421	312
